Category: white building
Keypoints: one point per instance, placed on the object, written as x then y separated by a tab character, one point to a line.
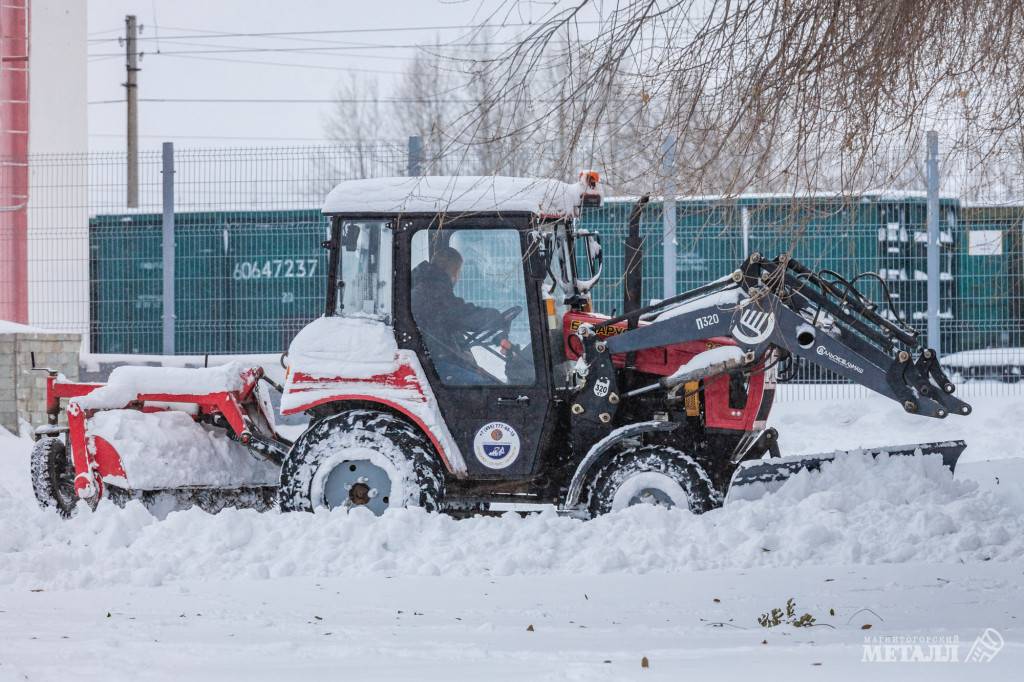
58	213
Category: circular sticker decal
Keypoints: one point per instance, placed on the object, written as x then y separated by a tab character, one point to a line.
496	445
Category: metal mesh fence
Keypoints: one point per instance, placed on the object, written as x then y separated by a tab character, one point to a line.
248	265
248	262
987	265
883	235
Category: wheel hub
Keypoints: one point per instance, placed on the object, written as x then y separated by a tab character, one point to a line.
650	488
359	494
358	483
652	496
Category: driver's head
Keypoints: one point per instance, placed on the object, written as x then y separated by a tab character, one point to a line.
449	260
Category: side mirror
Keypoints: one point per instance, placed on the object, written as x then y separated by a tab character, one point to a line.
350	236
538	254
591	242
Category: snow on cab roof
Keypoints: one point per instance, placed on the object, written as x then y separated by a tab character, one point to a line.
454	194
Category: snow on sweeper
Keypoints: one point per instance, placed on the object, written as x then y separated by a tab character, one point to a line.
458	363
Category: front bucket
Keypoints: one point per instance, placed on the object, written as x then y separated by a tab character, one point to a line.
778	469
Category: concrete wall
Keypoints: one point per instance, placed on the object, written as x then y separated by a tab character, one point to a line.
22	391
8	385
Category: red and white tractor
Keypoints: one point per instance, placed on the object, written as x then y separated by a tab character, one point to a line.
458	363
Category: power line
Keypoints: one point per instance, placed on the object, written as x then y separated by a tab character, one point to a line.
319	67
311	50
347	31
310	53
173	100
361	57
314	42
221	137
109	30
335	100
226	100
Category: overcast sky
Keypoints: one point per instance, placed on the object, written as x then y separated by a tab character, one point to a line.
306	66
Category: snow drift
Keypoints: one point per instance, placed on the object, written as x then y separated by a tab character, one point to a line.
857	511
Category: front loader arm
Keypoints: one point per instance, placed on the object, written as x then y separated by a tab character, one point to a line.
780	305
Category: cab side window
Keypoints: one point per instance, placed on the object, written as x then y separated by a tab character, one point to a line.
469	304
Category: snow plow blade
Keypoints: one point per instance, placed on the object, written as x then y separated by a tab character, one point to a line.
778	469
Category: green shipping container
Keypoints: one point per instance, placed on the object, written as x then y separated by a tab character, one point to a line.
248	281
244	282
990	261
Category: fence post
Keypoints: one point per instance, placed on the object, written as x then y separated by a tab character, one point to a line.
415	163
933	241
745	229
168	247
668	217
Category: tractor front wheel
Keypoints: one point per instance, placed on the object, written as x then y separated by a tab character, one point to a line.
53	476
361	458
650	474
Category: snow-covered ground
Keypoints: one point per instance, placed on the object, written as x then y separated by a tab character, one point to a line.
993	430
586	628
897	544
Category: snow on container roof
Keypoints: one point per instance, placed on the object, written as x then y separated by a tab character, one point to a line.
864	195
454	194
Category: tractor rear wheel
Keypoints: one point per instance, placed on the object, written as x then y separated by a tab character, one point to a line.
361	458
53	476
650	474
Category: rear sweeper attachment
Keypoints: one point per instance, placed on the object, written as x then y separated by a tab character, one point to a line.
459	364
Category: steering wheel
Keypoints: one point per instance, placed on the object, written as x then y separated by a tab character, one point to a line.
478	337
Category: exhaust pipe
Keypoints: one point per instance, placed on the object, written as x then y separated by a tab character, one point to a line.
634	270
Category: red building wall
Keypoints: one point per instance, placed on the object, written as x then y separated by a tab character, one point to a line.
14	64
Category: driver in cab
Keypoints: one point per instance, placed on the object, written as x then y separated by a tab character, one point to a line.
445	319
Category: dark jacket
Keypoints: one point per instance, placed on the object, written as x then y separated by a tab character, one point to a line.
443	317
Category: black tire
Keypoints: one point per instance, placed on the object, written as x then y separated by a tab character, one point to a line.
53	476
669	478
398	450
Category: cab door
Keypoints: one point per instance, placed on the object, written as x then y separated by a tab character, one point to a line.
492	385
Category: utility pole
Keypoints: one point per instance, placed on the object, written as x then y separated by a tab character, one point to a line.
132	68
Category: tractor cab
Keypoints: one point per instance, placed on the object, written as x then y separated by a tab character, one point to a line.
467	273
